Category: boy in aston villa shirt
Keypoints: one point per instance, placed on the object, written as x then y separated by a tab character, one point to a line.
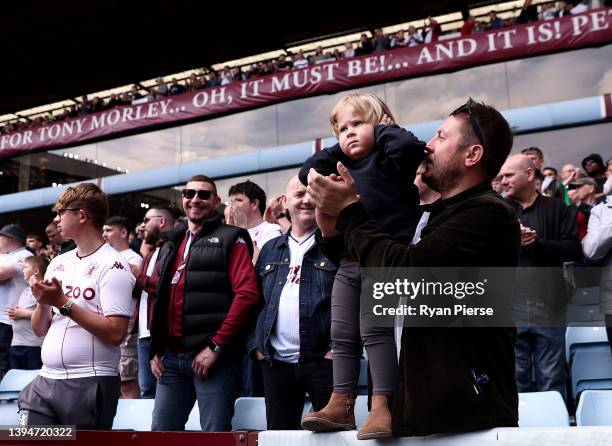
83	309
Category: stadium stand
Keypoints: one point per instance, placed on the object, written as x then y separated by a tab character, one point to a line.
134	415
585	338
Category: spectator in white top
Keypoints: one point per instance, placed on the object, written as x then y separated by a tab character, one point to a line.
157	220
607	187
413	37
226	76
580	6
597	246
116	232
549	11
292	339
162	88
12	255
246	209
349	51
83	309
25	346
299	61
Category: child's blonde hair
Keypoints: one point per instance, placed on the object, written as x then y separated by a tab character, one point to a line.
368	105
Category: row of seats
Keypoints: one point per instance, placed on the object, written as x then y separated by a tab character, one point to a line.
536	409
587	353
542	409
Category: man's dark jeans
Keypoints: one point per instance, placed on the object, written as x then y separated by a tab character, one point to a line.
539	348
25	357
285	385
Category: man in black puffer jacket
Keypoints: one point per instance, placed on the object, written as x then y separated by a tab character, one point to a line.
207	298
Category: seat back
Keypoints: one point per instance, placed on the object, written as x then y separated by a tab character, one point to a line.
594	408
542	409
361	410
134	414
583	313
9	415
249	414
590	370
586	296
15	380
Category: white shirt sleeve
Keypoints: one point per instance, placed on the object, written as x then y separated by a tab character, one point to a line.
116	284
270	232
598	241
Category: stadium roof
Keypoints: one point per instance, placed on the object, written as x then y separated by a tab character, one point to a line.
57	50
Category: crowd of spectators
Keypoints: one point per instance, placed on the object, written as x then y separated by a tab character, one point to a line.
430	32
578	193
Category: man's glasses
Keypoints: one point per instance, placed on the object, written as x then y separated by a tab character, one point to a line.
61	212
148	219
467	108
202	194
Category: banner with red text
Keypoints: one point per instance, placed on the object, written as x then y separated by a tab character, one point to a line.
590	28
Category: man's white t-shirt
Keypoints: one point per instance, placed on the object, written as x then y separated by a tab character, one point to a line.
285	337
143	331
101	283
263	232
11	289
133	258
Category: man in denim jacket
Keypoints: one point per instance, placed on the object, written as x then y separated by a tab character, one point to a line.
292	337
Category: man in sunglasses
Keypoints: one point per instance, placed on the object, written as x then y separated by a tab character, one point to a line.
450	379
156	221
207	298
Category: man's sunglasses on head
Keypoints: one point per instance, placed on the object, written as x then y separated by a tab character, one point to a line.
202	194
467	108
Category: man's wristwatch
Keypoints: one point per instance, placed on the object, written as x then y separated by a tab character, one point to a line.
66	309
214	347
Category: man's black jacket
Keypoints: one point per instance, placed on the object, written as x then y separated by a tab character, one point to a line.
437	388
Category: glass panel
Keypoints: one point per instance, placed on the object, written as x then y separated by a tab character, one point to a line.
242	132
307	119
142	151
46	169
133	205
273	183
277	182
428	98
560	77
568	145
223	186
